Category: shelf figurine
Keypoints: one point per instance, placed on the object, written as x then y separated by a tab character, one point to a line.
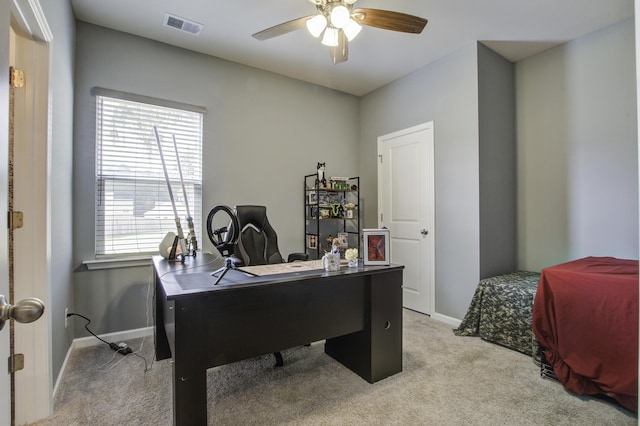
335	246
321	179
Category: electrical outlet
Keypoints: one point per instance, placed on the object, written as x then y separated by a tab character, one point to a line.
66	322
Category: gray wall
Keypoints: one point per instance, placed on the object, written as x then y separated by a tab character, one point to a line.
262	134
577	150
576	196
447	93
576	156
497	180
61	21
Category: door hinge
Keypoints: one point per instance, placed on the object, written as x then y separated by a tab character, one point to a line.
380	157
16	220
16	363
16	77
381	217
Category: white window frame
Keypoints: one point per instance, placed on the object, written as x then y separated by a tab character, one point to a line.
133	211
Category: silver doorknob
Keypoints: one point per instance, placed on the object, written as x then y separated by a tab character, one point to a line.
424	231
26	310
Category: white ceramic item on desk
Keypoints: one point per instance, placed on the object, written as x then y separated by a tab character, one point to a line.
331	261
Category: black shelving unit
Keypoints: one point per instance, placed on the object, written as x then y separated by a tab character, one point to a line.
331	211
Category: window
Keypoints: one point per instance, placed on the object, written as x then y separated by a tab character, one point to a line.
133	208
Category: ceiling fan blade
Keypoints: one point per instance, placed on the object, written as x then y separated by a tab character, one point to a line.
340	53
388	20
284	28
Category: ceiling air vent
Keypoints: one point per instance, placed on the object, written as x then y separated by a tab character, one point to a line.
182	24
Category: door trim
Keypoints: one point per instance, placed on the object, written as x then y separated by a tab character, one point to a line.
34	398
30	19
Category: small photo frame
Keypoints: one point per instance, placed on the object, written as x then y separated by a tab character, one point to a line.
312	241
312	197
376	244
343	240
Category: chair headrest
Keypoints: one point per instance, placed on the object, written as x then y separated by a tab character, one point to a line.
251	215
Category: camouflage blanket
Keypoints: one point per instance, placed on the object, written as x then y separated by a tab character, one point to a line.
501	311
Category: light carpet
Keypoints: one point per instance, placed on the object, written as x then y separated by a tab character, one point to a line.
446	380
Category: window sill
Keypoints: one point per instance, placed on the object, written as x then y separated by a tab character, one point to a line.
122	262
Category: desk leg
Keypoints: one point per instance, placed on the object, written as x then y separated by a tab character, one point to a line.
189	395
163	351
376	352
189	364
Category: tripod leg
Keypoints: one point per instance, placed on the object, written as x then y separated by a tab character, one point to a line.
217	271
247	272
221	275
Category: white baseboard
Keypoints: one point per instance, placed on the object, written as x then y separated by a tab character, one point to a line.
84	342
118	336
446	319
121	336
61	374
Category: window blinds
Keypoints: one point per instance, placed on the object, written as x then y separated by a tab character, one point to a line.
133	208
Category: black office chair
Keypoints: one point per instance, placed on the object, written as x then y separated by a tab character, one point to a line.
257	244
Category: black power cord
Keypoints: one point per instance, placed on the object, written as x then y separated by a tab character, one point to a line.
120	348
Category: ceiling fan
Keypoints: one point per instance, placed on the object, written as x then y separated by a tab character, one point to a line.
339	22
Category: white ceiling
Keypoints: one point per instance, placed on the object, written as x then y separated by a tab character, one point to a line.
514	28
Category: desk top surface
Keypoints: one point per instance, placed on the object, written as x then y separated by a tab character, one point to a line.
194	276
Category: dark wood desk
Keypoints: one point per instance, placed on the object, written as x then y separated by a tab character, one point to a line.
357	310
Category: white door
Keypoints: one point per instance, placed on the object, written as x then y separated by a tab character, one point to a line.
30	156
5	379
29	38
406	207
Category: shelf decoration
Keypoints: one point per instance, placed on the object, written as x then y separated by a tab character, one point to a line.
339	183
343	240
349	210
312	241
321	181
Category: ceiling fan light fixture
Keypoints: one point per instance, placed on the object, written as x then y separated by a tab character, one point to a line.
340	16
330	37
352	29
338	22
316	25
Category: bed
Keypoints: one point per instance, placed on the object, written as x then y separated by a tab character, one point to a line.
585	317
501	311
578	320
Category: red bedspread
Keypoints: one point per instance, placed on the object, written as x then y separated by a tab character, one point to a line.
585	315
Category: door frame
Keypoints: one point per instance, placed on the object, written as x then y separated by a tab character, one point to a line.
429	127
5	378
34	385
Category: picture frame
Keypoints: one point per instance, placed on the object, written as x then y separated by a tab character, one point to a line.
376	244
343	240
312	241
312	197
